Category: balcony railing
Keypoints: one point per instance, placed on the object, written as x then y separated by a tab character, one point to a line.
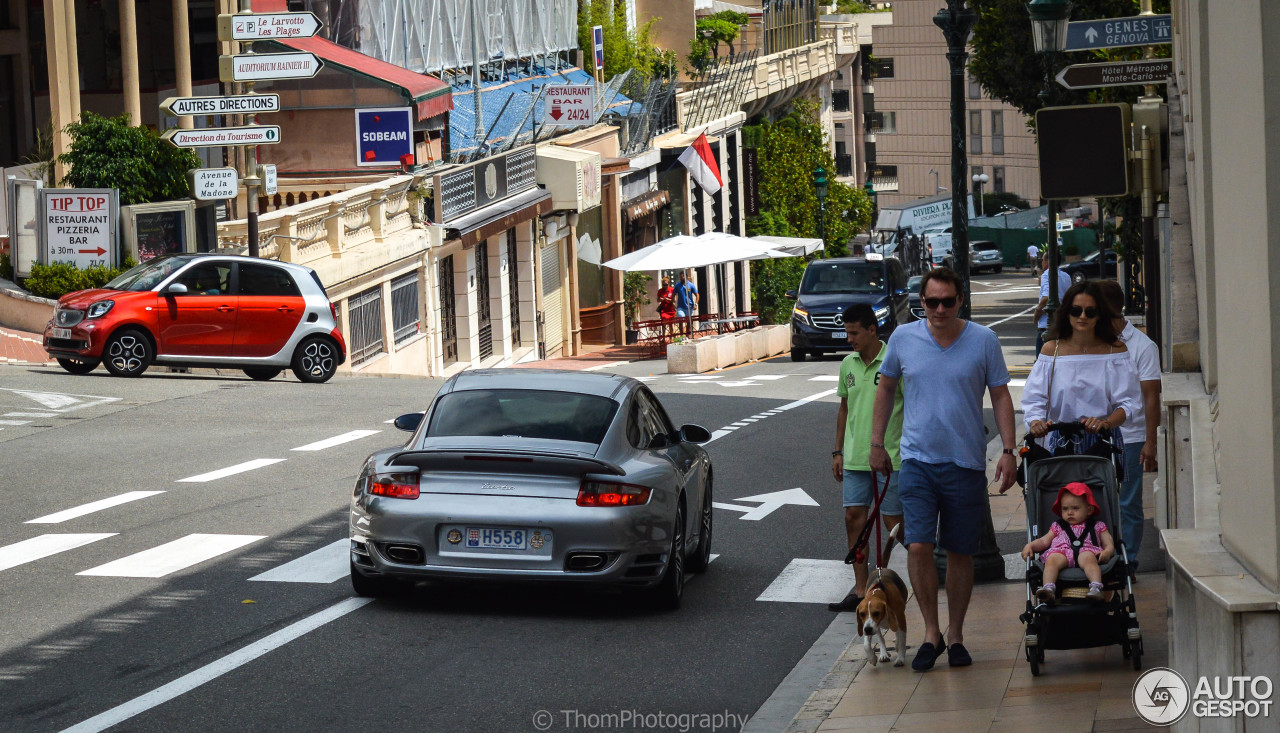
769	74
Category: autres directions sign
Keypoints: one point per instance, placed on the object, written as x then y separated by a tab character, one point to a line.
244	104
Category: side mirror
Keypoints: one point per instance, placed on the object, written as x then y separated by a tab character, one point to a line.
900	291
694	434
790	294
176	289
410	422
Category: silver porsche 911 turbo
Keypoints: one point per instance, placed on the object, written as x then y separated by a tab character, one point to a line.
520	474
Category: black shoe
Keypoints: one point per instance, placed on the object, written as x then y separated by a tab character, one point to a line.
849	603
958	656
926	656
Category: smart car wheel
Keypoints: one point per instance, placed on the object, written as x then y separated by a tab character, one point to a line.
316	360
128	353
702	554
666	595
79	366
370	586
262	374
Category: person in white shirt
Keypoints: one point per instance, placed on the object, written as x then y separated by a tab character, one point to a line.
1041	317
1033	257
1083	373
1140	428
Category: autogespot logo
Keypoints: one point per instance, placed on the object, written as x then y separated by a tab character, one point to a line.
1161	696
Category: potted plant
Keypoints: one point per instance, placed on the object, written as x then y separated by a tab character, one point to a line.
635	293
1071	252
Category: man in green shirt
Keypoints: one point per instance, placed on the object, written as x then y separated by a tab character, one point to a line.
850	462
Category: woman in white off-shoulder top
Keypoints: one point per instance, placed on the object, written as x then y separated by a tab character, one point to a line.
1084	373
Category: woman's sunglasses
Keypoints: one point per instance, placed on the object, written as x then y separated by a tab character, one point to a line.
933	303
1078	311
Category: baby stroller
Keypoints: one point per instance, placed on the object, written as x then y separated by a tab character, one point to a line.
1074	622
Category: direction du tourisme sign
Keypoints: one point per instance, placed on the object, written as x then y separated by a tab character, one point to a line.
383	136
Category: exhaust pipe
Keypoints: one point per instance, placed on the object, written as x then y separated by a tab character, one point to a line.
585	562
407	554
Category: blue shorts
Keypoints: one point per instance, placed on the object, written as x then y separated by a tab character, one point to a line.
943	504
860	489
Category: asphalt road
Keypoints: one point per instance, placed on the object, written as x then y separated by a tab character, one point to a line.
184	638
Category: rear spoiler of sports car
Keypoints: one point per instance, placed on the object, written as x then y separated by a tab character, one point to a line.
514	461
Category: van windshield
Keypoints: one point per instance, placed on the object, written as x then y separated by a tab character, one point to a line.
843	277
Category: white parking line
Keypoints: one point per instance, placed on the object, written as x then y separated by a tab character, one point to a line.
231	470
91	507
217	668
172	556
1010	318
610	365
326	565
339	439
45	545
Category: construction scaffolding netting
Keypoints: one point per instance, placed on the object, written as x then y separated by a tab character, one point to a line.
431	36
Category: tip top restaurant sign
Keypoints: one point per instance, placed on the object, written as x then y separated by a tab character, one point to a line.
78	225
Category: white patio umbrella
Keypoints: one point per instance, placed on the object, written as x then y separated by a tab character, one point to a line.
683	251
797	246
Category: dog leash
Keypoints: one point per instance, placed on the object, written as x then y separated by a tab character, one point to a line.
859	551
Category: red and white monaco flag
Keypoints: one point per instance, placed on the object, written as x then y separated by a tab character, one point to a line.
701	163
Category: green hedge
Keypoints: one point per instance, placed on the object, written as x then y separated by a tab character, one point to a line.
56	280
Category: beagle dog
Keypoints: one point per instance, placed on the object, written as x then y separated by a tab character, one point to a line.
884	609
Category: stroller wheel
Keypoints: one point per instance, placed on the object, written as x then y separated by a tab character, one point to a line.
1033	658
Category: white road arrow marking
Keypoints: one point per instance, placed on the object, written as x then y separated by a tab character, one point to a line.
768	503
63	402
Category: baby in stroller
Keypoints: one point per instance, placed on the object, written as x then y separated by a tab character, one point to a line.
1077	539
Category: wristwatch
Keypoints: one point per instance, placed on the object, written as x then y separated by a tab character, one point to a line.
1009	452
877	445
835	453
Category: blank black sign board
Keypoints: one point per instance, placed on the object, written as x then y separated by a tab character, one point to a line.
1084	150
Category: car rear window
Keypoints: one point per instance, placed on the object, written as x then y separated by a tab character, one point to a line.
524	413
984	245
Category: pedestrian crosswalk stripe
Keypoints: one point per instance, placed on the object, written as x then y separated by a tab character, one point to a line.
43	546
231	470
14	422
826	378
810	581
91	507
338	440
325	565
172	556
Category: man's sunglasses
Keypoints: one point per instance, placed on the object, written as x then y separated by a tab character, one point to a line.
944	302
1078	311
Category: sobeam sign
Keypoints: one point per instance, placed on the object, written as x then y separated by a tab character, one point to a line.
384	136
1084	150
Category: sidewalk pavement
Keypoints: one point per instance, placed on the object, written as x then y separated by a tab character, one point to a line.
20	347
592	358
1077	690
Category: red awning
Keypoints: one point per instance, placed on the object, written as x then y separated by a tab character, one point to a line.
430	95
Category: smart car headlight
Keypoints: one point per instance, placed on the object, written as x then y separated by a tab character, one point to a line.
100	309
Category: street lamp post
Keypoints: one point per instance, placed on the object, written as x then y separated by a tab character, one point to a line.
956	21
820	188
978	180
1049	20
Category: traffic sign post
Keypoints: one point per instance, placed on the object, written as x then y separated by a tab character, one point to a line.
267	26
234	105
1116	74
216	137
1140	30
269	181
252	67
211	184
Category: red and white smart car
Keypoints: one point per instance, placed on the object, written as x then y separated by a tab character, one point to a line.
201	310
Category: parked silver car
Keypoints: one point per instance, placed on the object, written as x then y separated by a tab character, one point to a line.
522	474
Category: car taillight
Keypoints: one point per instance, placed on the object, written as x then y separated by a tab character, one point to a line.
333	309
599	493
394	485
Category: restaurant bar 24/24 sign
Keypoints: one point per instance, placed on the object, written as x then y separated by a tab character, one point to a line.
79	226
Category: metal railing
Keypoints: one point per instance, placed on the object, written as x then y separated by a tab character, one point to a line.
406	319
364	319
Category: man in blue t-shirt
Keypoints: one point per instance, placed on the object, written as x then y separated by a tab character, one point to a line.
686	297
947	364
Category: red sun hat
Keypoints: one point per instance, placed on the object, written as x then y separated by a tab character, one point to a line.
1079	489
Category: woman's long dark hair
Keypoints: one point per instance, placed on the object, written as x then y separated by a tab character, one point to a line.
1104	328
